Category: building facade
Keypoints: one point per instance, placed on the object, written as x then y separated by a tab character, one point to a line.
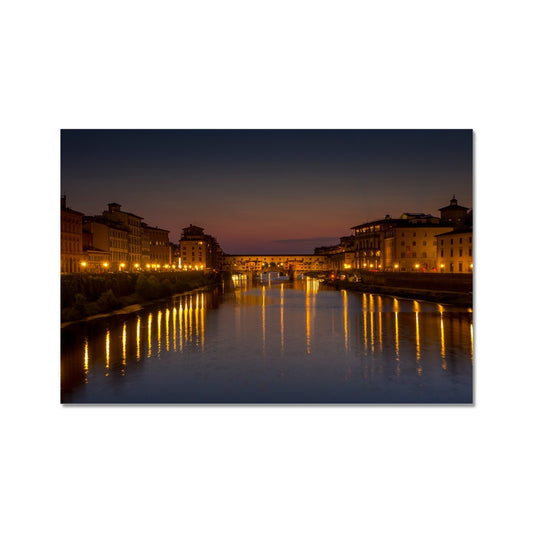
455	251
145	251
159	246
411	248
199	251
109	237
454	214
71	239
405	244
132	224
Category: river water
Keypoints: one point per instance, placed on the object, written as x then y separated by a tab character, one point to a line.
272	342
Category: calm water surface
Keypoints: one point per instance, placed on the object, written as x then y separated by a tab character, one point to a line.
276	342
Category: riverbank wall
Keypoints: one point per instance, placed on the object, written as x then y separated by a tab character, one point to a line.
84	295
454	289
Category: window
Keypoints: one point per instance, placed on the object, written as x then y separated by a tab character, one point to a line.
442	253
424	243
403	243
414	254
414	243
451	241
451	253
460	252
460	241
470	252
451	267
402	255
460	267
414	234
442	242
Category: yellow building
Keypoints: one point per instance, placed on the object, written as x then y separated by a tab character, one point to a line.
199	251
109	237
412	248
455	251
404	244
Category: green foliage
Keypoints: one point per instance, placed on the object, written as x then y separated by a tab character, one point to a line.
154	287
108	301
89	294
141	287
167	287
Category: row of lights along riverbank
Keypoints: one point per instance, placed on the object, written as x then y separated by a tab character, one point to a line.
148	267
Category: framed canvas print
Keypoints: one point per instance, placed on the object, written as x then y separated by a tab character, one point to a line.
266	267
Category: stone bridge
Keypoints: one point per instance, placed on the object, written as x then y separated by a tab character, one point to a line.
287	264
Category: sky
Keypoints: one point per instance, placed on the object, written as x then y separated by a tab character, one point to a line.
266	191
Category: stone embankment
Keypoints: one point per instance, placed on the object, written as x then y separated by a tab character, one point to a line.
452	289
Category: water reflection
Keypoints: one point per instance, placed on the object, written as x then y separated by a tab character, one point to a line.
281	322
353	346
86	359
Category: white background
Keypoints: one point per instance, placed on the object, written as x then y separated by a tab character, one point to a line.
250	64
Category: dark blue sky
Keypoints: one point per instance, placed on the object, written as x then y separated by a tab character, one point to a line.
283	191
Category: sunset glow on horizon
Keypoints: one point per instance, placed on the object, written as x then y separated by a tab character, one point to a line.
271	191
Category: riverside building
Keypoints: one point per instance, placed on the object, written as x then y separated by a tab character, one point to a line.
159	246
455	251
199	251
71	239
405	244
109	237
132	224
